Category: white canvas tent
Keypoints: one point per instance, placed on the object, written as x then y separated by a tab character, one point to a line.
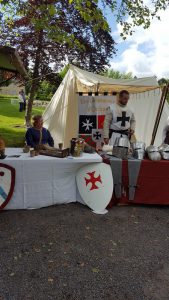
61	115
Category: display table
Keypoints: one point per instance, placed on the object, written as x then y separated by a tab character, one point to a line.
152	184
42	180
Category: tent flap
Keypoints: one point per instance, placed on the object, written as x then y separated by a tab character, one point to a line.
61	115
87	81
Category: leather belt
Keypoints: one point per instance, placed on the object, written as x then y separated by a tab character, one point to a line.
111	131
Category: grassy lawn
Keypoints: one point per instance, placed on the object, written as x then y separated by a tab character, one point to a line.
10	118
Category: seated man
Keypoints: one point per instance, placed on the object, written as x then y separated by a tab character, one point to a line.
38	136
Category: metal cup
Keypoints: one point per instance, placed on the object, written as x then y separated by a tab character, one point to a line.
26	149
32	153
60	146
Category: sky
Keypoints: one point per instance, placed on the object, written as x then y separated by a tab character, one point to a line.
146	52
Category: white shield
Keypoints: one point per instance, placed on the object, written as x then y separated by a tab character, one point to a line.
7	182
95	185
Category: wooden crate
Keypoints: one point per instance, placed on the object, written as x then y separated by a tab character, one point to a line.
55	152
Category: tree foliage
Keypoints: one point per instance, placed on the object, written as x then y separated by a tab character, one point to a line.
115	74
129	13
45	90
163	81
47	33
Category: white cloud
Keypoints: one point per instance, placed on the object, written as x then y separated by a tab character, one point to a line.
146	52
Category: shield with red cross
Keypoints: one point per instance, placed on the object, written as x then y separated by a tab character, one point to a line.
95	185
7	183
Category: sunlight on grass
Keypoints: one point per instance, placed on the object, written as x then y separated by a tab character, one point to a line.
11	117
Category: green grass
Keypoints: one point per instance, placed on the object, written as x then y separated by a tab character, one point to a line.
11	117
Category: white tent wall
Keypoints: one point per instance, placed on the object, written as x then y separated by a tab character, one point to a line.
61	115
145	106
163	121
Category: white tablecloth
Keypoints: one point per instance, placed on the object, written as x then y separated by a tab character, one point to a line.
43	181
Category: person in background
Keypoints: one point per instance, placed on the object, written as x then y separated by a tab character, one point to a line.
119	120
165	134
21	101
24	99
37	136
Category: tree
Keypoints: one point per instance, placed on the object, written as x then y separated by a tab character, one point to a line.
138	11
163	81
77	28
46	90
111	73
46	33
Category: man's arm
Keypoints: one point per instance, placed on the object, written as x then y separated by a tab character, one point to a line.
106	126
50	139
29	138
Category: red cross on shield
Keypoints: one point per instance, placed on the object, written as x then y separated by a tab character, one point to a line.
95	185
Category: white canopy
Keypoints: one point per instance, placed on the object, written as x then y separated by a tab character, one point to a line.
61	115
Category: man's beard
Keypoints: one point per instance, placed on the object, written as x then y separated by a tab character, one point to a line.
121	104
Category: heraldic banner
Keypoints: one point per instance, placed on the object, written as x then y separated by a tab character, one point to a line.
91	117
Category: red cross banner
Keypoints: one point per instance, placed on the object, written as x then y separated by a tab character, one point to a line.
91	117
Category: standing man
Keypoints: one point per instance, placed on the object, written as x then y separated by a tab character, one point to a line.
24	99
119	119
21	101
165	134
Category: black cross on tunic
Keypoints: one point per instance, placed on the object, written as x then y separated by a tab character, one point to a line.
123	119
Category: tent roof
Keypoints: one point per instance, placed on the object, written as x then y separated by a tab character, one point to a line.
90	82
10	61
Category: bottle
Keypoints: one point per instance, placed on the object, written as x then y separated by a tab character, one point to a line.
72	145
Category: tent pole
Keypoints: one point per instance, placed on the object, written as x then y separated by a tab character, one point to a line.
159	113
157	117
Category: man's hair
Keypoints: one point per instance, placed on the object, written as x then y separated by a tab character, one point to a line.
36	117
123	92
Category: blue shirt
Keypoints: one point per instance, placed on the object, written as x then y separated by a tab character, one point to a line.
33	137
